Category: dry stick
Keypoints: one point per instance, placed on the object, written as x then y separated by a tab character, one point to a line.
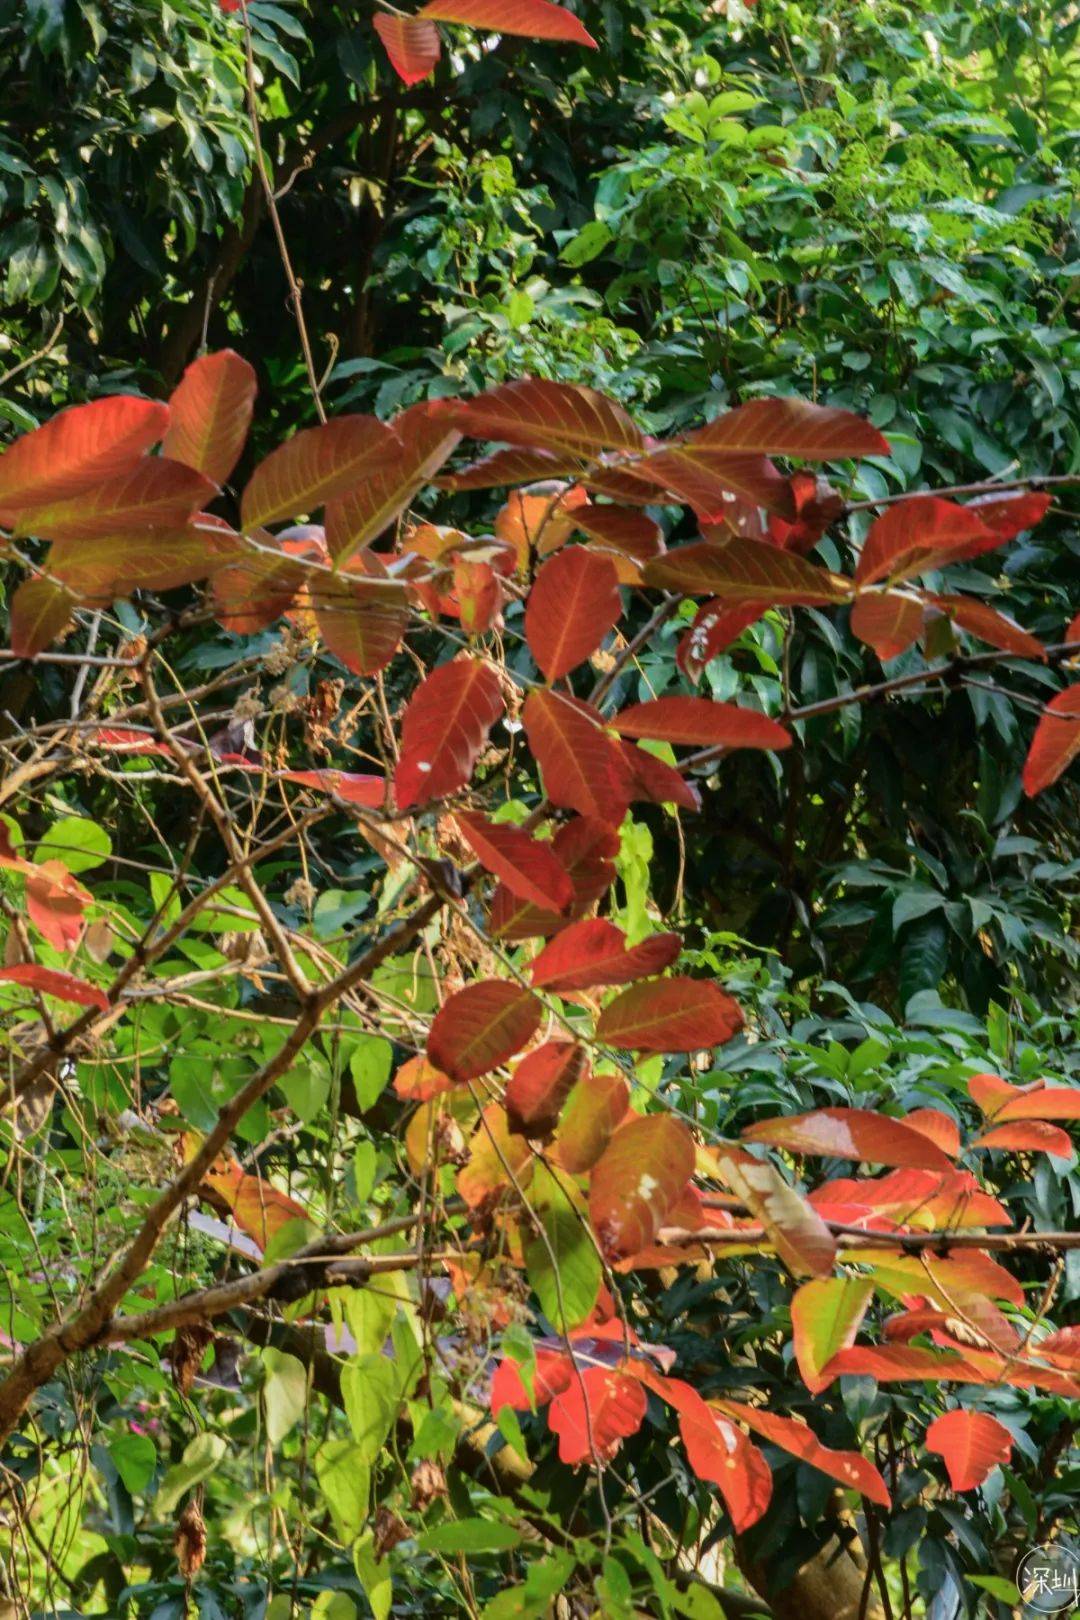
989	486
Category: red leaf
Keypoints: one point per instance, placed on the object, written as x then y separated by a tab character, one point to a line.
972	1444
78	449
1027	1136
825	1317
210	413
39	611
105	566
571	608
481	1026
850	1133
541	1084
921	1198
535	19
417	1080
1056	742
657	782
639	1176
941	1128
540	518
478	595
630	537
984	622
496	1159
55	904
920	534
715	627
791	1435
1011	512
445	728
745	571
896	1363
670	1015
582	764
817	505
355	519
1001	1101
597	1410
595	952
552	1373
517	466
701	722
586	849
718	1451
314	466
593	1110
62	985
544	415
711	479
412	44
786	426
361	624
800	1236
257	589
152	494
887	621
347	785
528	868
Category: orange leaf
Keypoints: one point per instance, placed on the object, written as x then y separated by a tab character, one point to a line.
411	43
55	903
582	764
361	624
152	494
787	426
78	449
597	1410
535	19
62	985
586	849
745	571
417	1080
593	1110
496	1158
718	1451
1027	1136
850	1133
361	515
790	1434
640	1175
541	1084
802	1240
594	952
1056	742
210	413
670	1015
39	611
887	621
972	1444
536	413
481	1026
314	466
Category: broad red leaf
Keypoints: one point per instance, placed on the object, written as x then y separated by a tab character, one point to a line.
481	1026
417	1080
850	1133
941	1128
349	786
582	764
258	588
39	611
597	1410
800	1236
1027	1136
715	627
502	467
107	566
701	722
355	519
1001	1101
718	1451
314	466
586	849
711	478
446	726
544	415
887	621
920	534
541	1084
1012	511
478	595
594	1109
1062	1346
849	1468
817	505
594	952
153	494
78	449
786	426
411	43
972	1444
1056	742
630	537
62	985
496	1159
552	1372
670	1015
897	1363
639	1176
745	571
571	607
535	19
924	1199
987	624
528	868
55	903
210	413
361	624
657	782
826	1314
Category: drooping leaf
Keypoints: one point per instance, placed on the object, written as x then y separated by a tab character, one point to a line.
656	782
972	1444
535	19
582	764
850	1133
594	952
561	1260
355	519
40	609
987	624
417	1080
639	1176
539	518
107	566
745	571
478	1028
362	624
153	494
701	722
539	414
1027	1136
922	533
594	1108
258	587
787	426
599	1408
802	1240
1056	742
315	465
210	413
445	727
62	985
56	903
826	1314
670	1015
714	628
541	1084
411	43
848	1468
77	449
571	608
887	621
528	867
586	848
718	1451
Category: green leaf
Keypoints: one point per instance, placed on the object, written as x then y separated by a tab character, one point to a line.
374	1576
202	1456
370	1065
284	1393
998	1587
470	1536
345	1481
134	1458
79	843
563	1266
369	1389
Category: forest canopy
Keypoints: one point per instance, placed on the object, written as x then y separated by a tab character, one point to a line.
538	853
